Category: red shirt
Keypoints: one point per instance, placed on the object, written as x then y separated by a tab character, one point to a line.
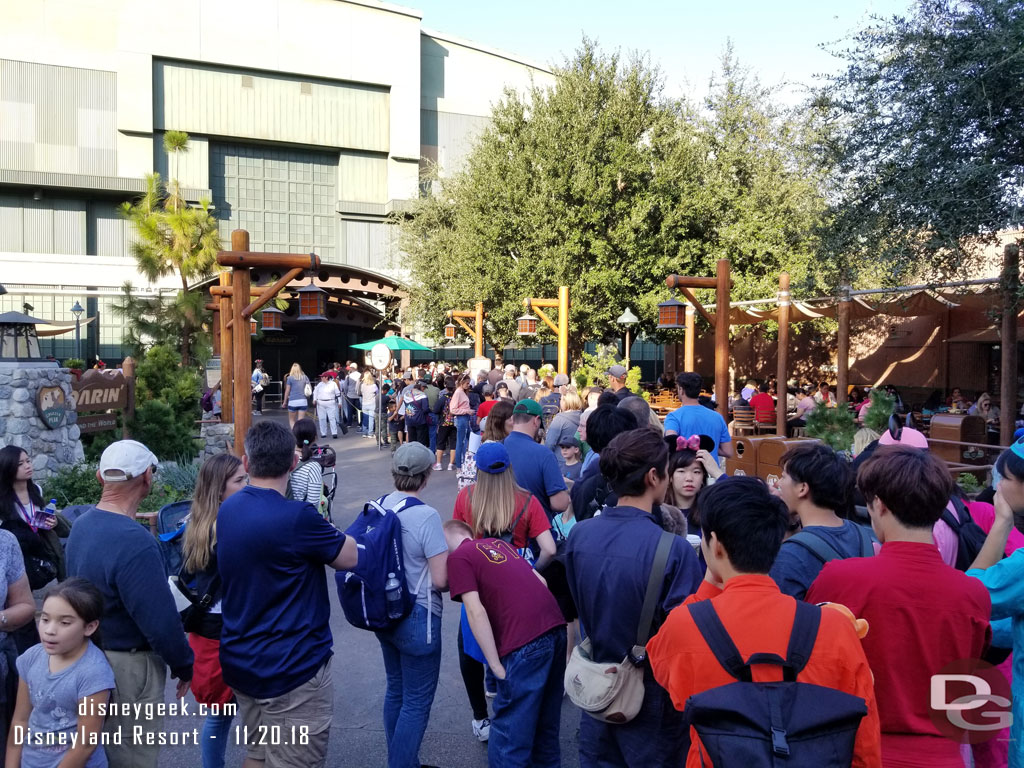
519	607
759	619
764	407
922	615
484	408
531	525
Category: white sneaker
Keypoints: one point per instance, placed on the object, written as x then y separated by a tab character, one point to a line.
451	467
482	729
437	466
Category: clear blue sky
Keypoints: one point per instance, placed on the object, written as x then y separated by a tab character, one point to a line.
778	40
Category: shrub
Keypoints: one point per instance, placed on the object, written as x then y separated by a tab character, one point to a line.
592	371
156	427
833	426
74	362
73	485
876	415
968	482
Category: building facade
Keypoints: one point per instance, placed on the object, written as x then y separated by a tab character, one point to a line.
310	122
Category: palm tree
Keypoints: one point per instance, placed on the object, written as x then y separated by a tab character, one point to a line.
175	238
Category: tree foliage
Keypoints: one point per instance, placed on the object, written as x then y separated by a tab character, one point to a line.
924	128
602	184
172	238
166	403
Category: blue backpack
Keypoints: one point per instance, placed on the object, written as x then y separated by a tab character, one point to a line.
378	536
788	723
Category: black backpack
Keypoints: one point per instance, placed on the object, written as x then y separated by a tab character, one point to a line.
822	548
969	535
788	723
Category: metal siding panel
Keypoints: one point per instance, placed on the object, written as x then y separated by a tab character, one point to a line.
69	227
38	227
363	178
12	230
212	101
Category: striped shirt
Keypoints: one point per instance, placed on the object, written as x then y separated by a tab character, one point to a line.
307	482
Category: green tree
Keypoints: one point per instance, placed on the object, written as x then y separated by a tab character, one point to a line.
172	238
166	403
924	129
602	184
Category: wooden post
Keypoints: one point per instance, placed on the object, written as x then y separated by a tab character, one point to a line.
128	369
242	348
944	353
843	353
227	351
479	327
782	371
1010	284
722	338
563	329
691	316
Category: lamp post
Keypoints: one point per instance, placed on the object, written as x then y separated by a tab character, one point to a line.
77	312
476	332
527	324
627	319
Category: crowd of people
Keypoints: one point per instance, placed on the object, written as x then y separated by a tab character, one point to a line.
585	540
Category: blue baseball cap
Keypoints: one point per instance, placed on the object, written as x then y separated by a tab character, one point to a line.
492	458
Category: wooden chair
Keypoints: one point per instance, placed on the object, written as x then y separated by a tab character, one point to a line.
743	421
761	427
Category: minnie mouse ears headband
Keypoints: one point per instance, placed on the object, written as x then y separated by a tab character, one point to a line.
691	443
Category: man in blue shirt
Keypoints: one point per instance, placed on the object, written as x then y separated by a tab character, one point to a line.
142	634
816	483
276	643
692	418
534	465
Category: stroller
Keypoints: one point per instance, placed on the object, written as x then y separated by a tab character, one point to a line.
325	456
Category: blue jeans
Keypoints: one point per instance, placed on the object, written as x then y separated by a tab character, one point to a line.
412	668
368	423
432	431
216	731
528	707
656	736
461	438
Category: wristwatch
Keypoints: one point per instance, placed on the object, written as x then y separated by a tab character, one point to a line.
3	618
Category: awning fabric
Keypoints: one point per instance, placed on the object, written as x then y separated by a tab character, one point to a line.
55	328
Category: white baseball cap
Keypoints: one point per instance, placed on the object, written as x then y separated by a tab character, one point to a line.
126	460
510	367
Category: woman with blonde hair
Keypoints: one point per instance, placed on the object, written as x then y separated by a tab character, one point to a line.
984	408
495	506
368	392
220	477
566	423
295	398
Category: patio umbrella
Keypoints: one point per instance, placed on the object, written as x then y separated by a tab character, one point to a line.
394	343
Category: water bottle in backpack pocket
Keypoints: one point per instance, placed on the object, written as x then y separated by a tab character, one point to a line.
373	595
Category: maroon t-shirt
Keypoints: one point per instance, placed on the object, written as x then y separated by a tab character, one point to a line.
519	606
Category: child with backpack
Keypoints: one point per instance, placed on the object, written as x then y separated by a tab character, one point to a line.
520	630
923	613
700	653
65	682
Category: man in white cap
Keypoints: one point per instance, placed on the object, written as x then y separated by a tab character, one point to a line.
512	382
142	633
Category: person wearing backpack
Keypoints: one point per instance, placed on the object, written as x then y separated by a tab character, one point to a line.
416	410
815	485
610	561
307	479
412	647
923	614
276	644
220	477
446	436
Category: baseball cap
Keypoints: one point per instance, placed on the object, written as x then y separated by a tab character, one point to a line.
561	380
353	365
125	460
529	406
489	389
492	458
568	441
524	368
412	459
617	371
510	367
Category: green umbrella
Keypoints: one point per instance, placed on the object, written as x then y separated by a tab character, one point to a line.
394	343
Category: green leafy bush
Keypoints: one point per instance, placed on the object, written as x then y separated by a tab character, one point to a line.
78	485
968	482
157	428
166	404
74	362
833	426
592	371
876	416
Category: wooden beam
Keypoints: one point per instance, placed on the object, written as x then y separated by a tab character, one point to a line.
242	362
681	281
782	368
843	353
722	339
689	340
462	322
479	324
546	319
698	306
268	293
227	353
563	330
236	258
1010	284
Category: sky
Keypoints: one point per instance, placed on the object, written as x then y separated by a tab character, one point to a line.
779	41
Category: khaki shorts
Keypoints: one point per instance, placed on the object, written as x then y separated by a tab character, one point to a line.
140	678
291	730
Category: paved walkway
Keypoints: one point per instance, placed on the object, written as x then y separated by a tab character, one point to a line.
357	736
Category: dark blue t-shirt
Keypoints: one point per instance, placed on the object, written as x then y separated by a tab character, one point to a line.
535	468
271	553
795	568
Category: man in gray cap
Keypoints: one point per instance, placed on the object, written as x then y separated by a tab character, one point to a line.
142	633
617	382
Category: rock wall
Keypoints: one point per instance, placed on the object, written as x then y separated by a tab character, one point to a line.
217	438
21	425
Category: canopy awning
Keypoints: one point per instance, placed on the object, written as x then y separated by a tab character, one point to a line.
55	328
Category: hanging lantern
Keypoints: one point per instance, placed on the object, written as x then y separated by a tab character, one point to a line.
449	331
272	318
312	302
671	314
526	325
253	327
